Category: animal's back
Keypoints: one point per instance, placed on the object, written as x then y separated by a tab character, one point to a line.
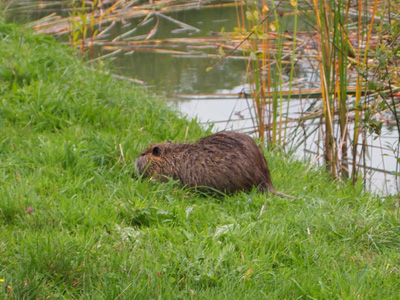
227	161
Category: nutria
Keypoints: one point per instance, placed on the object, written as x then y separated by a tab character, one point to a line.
225	161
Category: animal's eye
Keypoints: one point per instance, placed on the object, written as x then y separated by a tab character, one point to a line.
156	151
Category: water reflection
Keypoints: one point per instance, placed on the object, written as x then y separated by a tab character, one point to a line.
172	74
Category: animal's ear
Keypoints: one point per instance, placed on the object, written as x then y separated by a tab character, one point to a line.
156	151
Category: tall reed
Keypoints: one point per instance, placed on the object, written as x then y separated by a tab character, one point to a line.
264	87
328	54
255	25
361	65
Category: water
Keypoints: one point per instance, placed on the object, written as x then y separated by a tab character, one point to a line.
184	74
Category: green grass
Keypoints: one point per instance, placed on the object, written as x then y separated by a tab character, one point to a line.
74	224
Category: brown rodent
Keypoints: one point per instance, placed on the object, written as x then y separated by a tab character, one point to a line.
226	161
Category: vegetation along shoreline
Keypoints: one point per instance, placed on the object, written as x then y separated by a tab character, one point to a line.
74	224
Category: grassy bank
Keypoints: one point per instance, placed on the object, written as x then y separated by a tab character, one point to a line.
74	224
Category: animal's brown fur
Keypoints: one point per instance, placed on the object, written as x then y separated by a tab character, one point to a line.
225	161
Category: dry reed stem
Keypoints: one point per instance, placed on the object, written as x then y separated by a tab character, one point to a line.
359	82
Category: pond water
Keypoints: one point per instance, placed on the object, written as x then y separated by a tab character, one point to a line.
177	71
184	73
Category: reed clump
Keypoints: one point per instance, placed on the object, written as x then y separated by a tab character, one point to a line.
355	53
